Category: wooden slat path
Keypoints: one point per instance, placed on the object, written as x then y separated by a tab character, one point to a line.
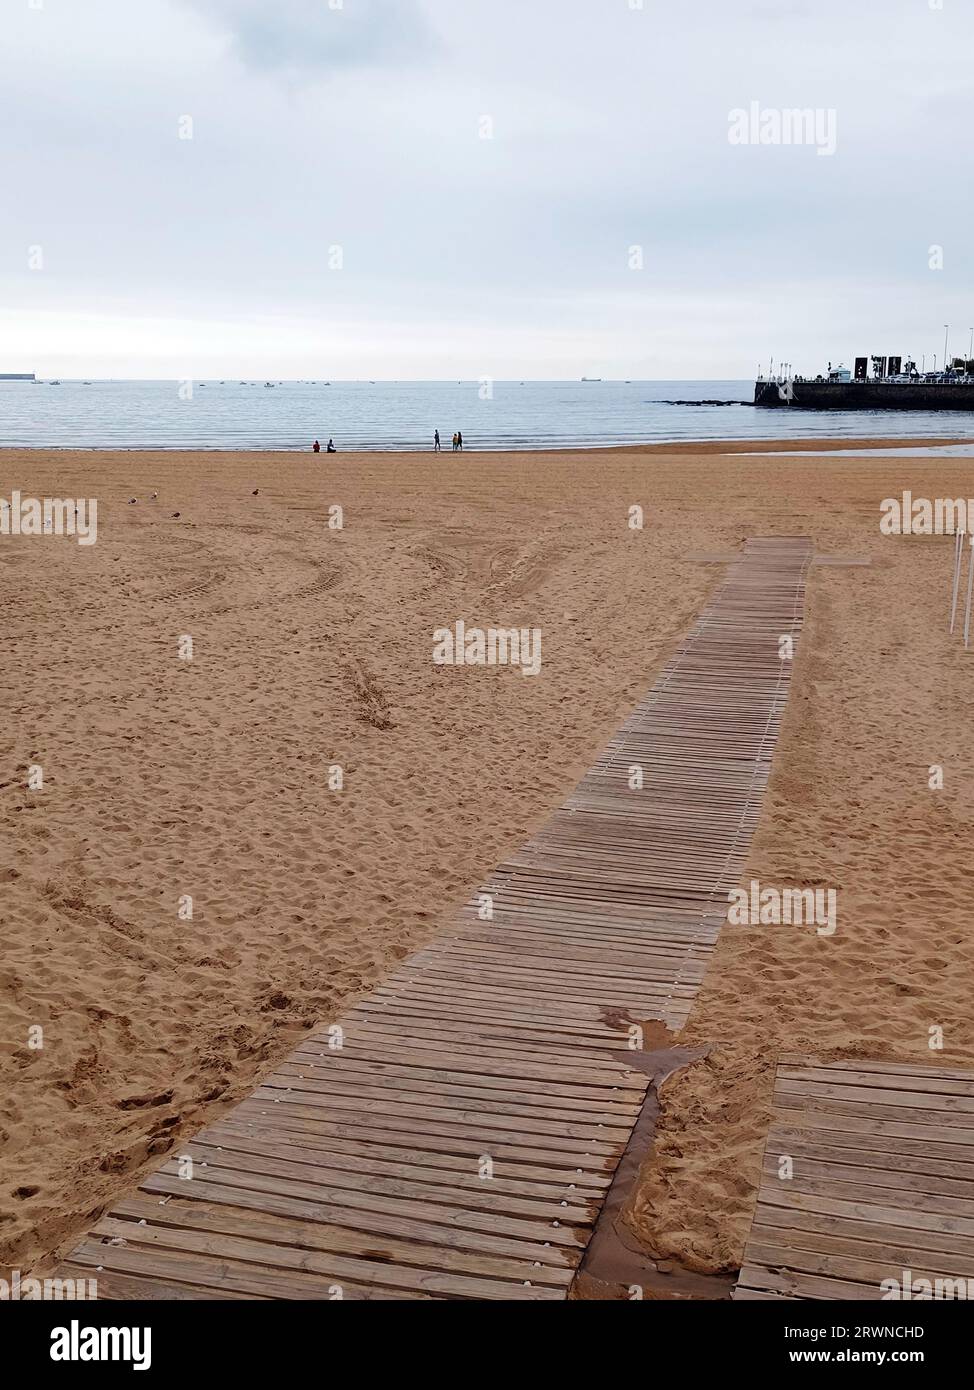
460	1141
882	1182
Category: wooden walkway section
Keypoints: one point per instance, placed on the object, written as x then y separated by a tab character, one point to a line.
460	1141
882	1182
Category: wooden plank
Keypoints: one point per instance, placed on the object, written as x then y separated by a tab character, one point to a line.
328	1266
881	1181
116	1287
423	1160
801	1260
575	1158
477	1126
535	1229
911	1157
888	1178
928	1084
859	1209
341	1240
803	1285
484	1196
212	1275
789	1062
950	1108
399	1090
370	1225
843	1122
373	1159
787	1242
350	1062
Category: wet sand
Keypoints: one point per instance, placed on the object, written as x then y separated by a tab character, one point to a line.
166	779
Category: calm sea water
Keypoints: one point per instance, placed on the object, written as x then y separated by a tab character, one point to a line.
403	415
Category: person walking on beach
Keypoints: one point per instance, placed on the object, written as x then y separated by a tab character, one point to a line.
316	447
454	442
436	441
460	441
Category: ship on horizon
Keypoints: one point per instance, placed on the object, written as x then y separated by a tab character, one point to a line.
17	376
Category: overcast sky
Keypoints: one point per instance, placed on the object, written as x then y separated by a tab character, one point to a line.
338	211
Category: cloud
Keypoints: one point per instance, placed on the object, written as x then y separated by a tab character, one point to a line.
305	36
361	127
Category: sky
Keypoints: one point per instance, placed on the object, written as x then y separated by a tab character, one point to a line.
434	189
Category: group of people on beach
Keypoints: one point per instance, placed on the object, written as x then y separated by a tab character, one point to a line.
457	442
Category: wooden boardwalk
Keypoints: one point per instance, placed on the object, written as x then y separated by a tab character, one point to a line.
459	1141
882	1182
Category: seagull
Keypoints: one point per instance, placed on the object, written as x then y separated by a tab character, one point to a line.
154	496
132	499
175	514
255	492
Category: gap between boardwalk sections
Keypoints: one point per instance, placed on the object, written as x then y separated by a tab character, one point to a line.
461	1140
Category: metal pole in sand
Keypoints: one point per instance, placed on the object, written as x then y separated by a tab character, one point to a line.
958	553
970	591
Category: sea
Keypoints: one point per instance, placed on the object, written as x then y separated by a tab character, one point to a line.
380	415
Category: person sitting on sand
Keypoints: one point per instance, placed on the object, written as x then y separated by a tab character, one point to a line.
317	447
331	447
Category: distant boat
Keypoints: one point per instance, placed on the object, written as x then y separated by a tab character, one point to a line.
591	378
17	376
54	383
269	384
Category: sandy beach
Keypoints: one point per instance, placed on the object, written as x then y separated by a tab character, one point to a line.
166	779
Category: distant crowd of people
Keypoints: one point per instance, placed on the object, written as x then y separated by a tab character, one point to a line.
457	444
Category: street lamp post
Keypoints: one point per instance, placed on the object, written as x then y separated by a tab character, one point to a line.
946	336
